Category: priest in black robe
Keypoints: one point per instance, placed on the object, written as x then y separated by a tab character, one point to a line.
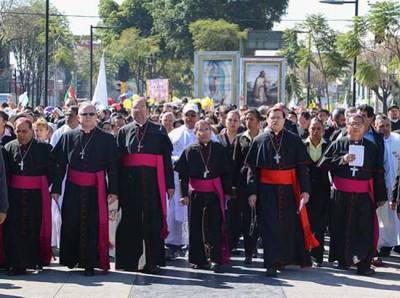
358	191
146	177
27	229
279	187
88	156
205	169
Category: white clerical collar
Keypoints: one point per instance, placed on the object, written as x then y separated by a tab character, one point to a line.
138	124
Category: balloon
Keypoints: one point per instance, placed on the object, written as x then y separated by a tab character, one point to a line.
116	106
127	104
110	101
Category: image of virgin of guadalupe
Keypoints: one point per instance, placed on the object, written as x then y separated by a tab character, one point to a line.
215	80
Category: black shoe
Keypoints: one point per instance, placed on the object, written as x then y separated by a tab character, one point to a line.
248	260
217	268
152	269
384	252
365	271
397	249
342	266
89	272
200	267
235	252
271	272
15	271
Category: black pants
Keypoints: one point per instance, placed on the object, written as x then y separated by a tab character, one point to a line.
247	215
205	220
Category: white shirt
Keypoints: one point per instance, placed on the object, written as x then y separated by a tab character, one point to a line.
59	132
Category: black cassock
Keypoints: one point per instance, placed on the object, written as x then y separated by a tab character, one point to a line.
24	217
278	221
352	214
247	218
142	217
205	216
80	210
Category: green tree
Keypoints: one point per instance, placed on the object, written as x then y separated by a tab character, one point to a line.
135	50
379	56
318	51
24	35
172	18
210	35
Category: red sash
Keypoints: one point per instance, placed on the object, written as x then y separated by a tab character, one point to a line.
38	183
359	186
289	177
152	161
87	179
215	185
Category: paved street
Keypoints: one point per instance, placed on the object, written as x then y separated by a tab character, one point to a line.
177	280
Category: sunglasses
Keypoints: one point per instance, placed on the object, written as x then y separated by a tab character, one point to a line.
87	114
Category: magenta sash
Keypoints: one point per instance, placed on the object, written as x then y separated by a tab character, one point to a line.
152	161
214	185
87	179
359	186
2	259
38	183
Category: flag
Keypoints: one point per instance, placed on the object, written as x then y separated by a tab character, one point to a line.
23	99
70	92
100	97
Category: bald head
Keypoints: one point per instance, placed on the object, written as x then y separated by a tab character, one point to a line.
87	116
139	110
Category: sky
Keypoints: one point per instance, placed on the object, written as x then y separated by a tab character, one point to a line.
297	10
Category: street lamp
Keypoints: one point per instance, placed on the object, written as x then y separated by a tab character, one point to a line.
355	2
91	54
46	55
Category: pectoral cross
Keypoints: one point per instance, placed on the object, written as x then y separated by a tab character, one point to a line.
21	165
139	147
354	171
206	172
277	157
82	154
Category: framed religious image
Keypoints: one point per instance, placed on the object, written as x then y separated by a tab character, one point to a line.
262	80
216	76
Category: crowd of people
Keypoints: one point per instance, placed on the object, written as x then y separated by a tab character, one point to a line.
191	181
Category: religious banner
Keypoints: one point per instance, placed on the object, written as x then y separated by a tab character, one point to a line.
158	89
262	80
216	76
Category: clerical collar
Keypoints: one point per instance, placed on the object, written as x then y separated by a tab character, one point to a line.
358	142
88	132
279	134
138	124
204	144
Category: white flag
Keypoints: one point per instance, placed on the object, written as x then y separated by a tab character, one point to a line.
100	93
23	99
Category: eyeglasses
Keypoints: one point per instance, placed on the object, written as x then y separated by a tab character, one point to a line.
87	114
